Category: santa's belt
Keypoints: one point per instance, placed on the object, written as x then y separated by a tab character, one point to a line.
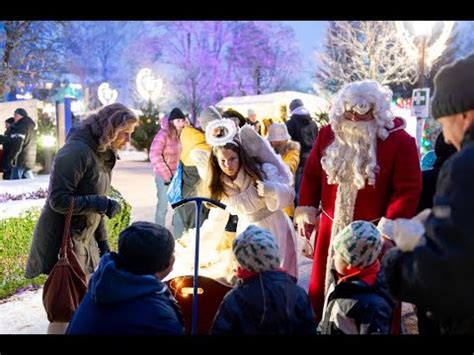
332	219
259	215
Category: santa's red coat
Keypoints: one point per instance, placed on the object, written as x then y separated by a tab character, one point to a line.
395	195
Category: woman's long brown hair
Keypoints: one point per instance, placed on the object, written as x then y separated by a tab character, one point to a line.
213	187
107	123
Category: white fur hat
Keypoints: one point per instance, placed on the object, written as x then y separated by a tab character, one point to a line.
278	132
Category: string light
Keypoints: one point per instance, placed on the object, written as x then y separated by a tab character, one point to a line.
434	49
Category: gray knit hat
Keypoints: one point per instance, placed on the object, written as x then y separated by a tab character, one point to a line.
208	115
359	244
453	88
256	250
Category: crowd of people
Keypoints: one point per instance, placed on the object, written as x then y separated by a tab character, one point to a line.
380	231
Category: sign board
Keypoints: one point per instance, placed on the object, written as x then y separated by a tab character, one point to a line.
421	103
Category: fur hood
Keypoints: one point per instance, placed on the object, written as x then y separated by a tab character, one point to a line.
293	145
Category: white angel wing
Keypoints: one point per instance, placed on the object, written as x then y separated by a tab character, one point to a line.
257	146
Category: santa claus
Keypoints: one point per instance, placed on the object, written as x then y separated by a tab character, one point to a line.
363	166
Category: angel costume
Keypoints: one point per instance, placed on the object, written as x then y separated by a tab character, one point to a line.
264	211
242	199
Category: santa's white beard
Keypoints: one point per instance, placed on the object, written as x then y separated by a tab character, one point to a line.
352	157
349	161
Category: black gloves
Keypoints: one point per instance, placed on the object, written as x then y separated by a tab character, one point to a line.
103	247
113	208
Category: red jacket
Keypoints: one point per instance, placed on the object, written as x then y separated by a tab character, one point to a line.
395	194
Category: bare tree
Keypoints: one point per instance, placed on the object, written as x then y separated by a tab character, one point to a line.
108	51
214	59
357	50
196	53
29	51
465	39
264	57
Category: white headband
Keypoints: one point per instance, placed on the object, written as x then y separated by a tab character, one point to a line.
221	132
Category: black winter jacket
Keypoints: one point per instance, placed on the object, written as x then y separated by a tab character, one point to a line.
269	302
354	307
79	170
437	275
303	130
22	144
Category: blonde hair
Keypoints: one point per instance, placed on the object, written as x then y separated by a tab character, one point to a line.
107	123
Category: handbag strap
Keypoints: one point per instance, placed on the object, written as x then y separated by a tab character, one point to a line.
66	243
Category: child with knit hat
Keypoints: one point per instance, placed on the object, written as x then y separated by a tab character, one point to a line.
357	301
266	299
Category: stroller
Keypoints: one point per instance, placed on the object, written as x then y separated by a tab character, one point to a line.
189	290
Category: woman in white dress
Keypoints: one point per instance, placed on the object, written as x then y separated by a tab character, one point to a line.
247	176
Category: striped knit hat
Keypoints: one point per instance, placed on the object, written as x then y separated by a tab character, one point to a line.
256	250
359	244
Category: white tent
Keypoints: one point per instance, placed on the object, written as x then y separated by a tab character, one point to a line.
269	105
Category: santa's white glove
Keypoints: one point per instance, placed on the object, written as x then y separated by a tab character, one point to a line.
265	188
405	233
422	216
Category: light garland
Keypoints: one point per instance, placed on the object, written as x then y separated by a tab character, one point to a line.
106	94
433	51
148	86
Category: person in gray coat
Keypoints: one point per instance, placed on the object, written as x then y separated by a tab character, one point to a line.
82	170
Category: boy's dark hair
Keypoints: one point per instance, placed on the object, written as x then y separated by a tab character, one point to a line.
145	248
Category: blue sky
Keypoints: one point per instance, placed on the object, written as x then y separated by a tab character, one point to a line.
310	35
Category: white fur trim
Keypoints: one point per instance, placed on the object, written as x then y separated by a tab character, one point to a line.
306	214
303	111
403	126
224	125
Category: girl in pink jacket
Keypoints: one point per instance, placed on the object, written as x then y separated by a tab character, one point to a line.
164	156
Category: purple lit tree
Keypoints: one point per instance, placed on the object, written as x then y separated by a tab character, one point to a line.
196	53
264	57
214	59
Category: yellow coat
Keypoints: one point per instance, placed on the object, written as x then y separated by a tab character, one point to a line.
292	158
191	138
